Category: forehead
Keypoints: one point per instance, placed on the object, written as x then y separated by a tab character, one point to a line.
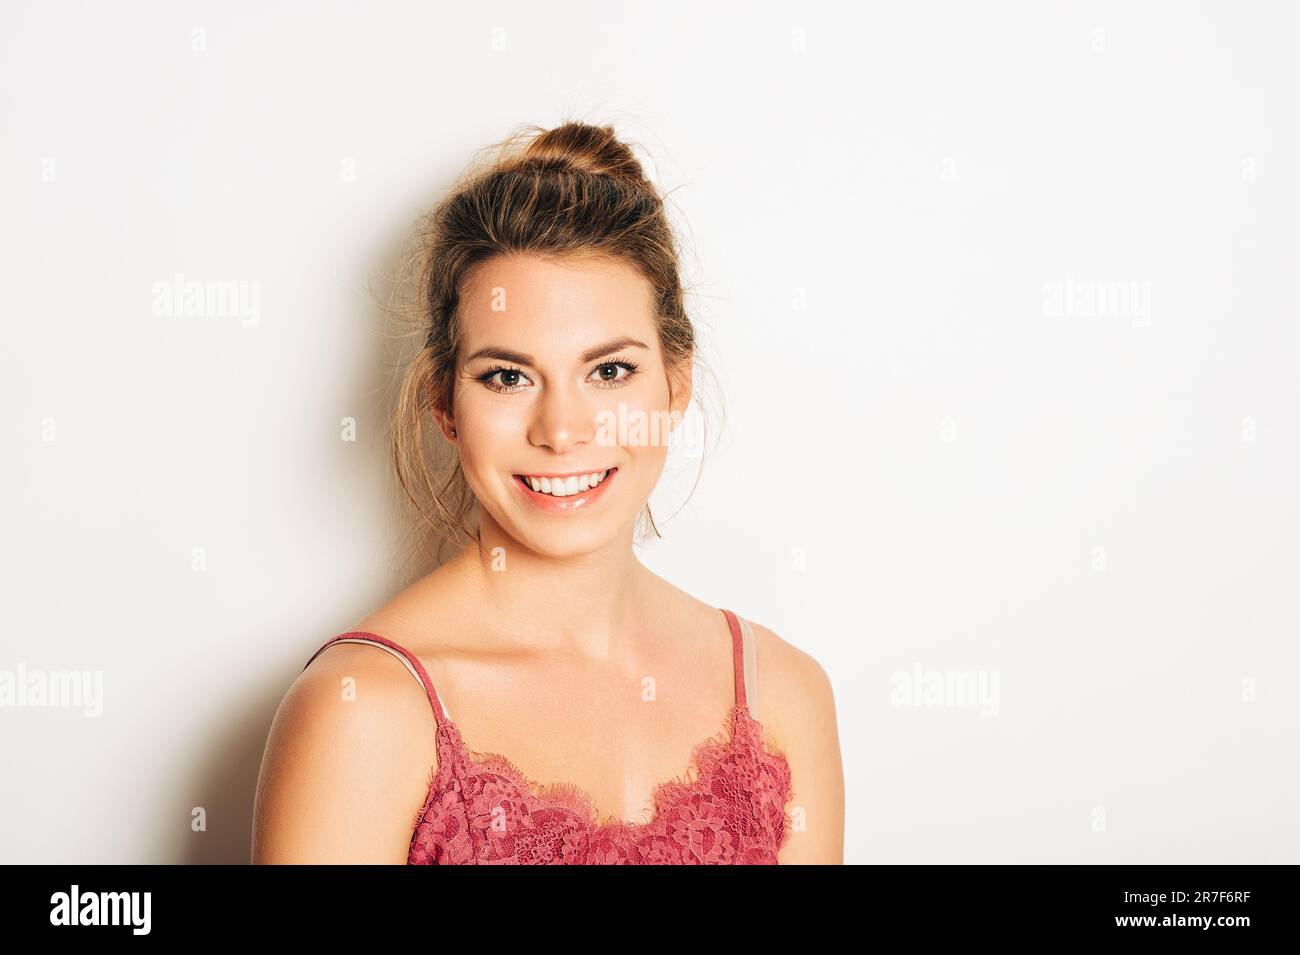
527	296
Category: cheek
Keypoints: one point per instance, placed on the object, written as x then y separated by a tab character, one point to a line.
636	418
486	429
646	393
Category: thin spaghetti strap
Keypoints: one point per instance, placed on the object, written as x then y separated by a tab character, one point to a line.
737	656
751	666
410	659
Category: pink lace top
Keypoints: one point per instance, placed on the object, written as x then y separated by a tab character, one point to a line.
481	810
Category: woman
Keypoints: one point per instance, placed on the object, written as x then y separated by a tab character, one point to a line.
586	690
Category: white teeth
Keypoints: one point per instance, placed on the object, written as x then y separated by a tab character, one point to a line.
563	487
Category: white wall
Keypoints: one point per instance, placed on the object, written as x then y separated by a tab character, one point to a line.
1095	514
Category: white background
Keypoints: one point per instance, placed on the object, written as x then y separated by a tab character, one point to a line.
925	467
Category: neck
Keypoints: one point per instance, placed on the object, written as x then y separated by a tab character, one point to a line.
588	605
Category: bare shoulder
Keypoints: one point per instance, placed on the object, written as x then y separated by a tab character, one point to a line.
796	697
795	686
796	705
347	763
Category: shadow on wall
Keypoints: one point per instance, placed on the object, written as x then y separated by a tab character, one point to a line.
226	779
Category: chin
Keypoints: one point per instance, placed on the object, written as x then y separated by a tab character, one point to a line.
560	543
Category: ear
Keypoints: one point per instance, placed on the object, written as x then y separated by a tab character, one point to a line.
679	380
679	385
446	424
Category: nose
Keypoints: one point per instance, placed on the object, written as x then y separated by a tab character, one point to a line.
562	421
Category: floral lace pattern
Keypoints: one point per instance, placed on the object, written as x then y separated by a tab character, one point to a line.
729	809
481	810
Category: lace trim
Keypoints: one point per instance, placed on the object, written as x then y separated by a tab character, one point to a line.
773	754
705	756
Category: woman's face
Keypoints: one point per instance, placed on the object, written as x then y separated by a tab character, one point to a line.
560	375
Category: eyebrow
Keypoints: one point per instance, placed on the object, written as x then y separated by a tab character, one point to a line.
591	354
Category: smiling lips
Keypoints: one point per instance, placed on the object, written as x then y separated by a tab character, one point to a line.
560	494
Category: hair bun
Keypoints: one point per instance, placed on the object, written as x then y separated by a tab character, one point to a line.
578	147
